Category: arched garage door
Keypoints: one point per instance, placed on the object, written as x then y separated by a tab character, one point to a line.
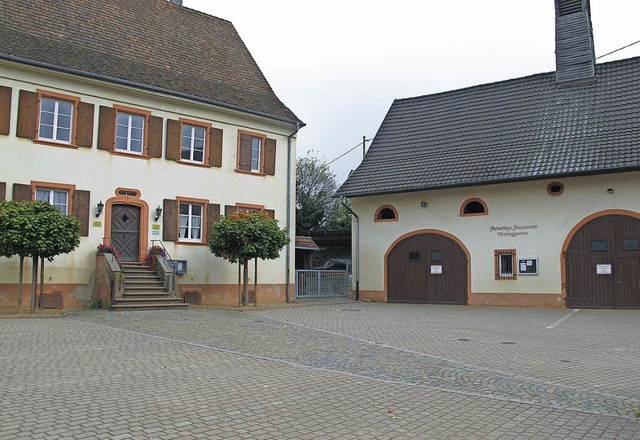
603	264
427	268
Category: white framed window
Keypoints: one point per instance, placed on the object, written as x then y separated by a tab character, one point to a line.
256	148
129	132
190	228
193	143
55	123
57	198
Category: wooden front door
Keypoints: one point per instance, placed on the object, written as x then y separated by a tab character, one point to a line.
427	268
125	231
603	264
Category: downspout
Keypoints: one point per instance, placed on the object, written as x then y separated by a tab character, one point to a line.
357	265
288	247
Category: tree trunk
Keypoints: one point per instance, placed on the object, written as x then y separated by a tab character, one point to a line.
41	281
255	284
245	282
20	284
239	288
34	283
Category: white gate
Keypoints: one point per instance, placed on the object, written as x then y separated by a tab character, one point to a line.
321	283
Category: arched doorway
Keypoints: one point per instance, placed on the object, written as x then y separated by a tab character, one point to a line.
602	263
427	268
126	224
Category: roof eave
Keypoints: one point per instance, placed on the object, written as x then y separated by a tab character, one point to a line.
340	193
296	122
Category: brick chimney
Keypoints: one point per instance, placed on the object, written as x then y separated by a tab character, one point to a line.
575	54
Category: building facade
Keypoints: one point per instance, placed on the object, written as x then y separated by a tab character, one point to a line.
520	192
147	130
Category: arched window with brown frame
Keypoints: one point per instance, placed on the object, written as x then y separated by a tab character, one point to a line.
386	213
475	206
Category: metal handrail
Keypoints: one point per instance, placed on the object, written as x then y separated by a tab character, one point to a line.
166	254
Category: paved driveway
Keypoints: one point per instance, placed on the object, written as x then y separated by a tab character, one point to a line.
343	371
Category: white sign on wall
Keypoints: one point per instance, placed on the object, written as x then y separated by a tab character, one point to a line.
436	269
603	269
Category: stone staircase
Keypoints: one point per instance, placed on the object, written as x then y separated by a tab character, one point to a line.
144	289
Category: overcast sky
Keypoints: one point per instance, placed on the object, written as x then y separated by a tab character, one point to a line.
340	64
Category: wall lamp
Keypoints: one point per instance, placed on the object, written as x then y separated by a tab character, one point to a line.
423	204
99	208
158	212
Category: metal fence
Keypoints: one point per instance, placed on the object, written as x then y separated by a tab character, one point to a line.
321	283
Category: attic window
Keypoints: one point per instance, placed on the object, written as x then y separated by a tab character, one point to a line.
566	7
473	207
386	213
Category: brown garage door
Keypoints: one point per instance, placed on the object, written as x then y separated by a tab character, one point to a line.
603	264
427	268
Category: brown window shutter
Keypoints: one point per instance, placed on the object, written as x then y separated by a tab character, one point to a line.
81	200
27	114
3	191
155	136
21	192
107	128
84	130
213	216
215	147
170	220
270	157
5	109
173	139
244	159
229	209
271	213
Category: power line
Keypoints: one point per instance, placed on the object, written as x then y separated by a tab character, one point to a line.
348	151
617	50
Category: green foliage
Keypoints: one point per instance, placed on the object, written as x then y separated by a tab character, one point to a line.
244	235
315	207
36	229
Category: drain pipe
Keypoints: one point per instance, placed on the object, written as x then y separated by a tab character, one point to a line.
357	265
288	247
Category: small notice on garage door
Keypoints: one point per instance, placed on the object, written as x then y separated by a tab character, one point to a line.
603	269
436	269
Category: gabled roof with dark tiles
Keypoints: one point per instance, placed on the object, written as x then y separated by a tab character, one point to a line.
521	129
152	44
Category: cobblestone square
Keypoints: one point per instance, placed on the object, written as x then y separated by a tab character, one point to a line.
323	371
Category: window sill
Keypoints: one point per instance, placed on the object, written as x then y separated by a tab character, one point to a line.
133	155
194	164
252	173
192	243
55	144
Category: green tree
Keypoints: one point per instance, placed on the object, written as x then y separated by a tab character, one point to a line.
36	230
315	207
243	236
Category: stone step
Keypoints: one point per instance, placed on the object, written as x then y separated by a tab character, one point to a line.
149	305
140	270
145	290
139	299
143	281
150	277
145	293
